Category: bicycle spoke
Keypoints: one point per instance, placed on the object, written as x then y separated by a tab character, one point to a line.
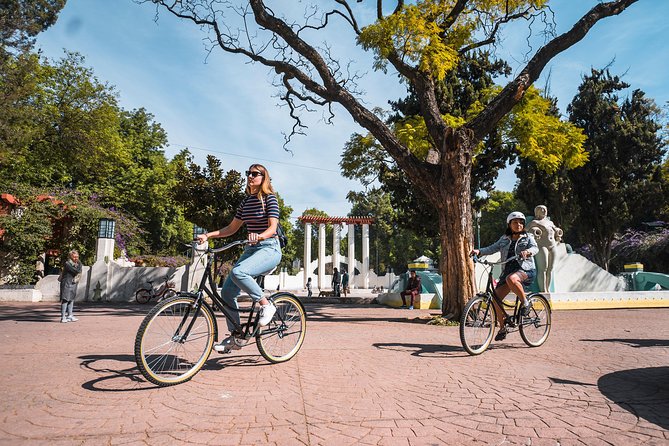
283	337
164	352
476	325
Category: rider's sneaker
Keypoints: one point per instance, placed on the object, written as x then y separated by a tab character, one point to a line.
501	334
266	314
72	319
526	309
227	345
64	320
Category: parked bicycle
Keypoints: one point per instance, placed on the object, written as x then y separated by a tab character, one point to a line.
477	324
175	339
143	295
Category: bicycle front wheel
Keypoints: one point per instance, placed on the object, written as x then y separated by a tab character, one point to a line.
142	296
535	327
174	341
282	338
477	324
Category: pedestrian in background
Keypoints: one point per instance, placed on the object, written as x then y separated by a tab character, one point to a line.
309	287
344	282
336	282
69	281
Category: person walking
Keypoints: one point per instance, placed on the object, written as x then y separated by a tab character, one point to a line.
260	212
309	292
336	282
69	281
344	282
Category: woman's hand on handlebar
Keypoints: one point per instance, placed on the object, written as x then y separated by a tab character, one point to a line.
525	254
254	238
201	238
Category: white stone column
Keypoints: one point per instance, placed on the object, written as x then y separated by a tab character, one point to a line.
336	236
365	256
351	255
321	255
307	252
104	250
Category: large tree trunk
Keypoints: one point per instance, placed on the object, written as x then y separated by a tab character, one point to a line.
455	223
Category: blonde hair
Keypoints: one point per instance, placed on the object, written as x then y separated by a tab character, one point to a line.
266	185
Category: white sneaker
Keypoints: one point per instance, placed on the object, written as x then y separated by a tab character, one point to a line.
72	319
267	312
227	345
64	320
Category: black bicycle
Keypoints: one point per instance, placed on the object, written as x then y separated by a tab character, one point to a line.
477	324
176	337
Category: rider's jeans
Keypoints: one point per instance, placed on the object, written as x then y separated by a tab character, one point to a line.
256	260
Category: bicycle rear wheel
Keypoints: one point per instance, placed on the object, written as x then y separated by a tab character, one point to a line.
173	342
534	329
142	296
477	324
282	338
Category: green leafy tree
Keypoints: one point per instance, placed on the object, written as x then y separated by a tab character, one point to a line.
22	20
422	41
62	221
622	183
73	137
143	186
210	195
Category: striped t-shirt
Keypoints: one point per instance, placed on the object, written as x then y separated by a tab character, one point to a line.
252	213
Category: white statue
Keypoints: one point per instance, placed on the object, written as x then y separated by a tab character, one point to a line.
548	236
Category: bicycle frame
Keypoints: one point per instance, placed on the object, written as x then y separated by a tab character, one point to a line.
513	320
207	286
490	290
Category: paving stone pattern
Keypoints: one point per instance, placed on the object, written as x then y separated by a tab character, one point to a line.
366	375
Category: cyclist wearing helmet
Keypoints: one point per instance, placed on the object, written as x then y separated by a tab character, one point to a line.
519	272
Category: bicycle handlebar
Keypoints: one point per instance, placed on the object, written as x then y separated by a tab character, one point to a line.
478	259
221	249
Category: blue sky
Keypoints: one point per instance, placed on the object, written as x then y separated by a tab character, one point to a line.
225	106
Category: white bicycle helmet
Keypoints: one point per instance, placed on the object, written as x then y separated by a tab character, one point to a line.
514	215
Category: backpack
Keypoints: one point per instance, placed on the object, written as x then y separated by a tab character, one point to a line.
283	240
280	234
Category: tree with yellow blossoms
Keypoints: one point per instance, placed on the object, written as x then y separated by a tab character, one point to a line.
423	41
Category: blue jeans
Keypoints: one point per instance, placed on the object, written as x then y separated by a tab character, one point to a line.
256	260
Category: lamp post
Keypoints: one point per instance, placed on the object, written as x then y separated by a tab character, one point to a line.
105	244
197	231
106	228
477	216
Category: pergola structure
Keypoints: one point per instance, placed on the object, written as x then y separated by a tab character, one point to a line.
308	220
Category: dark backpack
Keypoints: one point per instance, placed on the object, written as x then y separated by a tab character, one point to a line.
283	240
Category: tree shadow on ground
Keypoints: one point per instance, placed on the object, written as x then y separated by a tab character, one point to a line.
636	343
50	312
321	314
423	350
643	392
119	373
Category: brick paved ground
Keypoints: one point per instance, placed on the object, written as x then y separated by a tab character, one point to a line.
365	375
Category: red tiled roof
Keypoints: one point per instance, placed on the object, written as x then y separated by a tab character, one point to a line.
336	220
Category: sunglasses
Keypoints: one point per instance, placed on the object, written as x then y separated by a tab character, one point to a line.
254	174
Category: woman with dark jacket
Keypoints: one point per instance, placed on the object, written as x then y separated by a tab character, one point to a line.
521	271
68	287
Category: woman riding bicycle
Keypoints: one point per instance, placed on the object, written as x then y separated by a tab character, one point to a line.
260	212
519	272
